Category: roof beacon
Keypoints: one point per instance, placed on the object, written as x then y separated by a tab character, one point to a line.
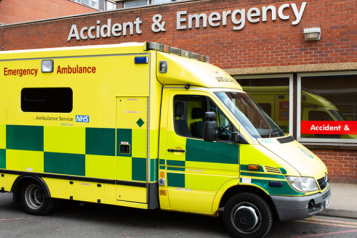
175	51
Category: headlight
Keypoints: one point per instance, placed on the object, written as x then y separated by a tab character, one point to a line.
303	184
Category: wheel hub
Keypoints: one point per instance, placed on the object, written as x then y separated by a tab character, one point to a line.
34	196
245	218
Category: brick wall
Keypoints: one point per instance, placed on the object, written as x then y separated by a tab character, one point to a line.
271	43
341	164
13	11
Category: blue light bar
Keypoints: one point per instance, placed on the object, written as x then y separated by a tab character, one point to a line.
141	60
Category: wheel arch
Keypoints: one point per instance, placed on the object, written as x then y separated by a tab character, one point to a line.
16	186
232	188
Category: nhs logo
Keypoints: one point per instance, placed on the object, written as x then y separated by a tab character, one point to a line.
80	118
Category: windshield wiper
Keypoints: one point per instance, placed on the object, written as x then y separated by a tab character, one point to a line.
276	130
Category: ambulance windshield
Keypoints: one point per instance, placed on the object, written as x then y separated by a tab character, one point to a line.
250	114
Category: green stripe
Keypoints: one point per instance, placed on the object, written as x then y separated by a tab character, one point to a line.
138	169
2	159
162	167
162	161
100	141
175	163
61	163
176	180
262	175
24	137
175	169
153	170
281	191
211	152
124	135
245	167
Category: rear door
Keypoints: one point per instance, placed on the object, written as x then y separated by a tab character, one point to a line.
132	142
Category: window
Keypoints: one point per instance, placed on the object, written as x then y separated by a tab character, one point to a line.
162	1
327	107
135	3
266	107
189	111
315	115
47	100
94	4
273	94
110	6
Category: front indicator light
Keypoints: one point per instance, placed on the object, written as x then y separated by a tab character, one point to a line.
303	184
253	167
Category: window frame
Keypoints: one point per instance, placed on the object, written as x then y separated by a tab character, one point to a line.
291	93
147	3
298	121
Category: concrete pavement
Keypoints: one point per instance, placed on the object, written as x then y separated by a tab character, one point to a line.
343	201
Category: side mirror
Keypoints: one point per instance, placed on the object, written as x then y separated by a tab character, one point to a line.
209	131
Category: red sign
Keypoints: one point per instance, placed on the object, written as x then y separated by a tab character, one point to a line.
329	127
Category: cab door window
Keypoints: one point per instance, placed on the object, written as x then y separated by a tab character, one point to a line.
189	112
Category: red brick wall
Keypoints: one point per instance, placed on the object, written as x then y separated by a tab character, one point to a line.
14	11
271	43
341	164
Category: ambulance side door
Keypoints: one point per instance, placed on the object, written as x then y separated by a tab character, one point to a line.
195	169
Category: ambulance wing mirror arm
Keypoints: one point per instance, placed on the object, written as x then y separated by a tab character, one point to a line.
238	138
209	131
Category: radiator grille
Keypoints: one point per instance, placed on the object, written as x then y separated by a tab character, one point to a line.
322	183
326	195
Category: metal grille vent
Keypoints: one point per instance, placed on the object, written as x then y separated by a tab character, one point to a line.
272	170
326	195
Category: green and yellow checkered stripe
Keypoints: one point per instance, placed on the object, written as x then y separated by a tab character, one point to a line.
78	151
204	166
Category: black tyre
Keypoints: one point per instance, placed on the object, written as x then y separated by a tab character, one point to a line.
247	215
33	199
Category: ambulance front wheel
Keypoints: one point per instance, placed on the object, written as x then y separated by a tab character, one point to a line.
33	199
247	215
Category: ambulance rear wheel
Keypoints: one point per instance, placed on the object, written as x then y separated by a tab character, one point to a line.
247	215
33	199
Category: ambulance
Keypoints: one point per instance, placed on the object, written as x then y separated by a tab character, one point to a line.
148	126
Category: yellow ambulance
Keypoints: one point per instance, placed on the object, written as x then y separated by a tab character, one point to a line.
148	126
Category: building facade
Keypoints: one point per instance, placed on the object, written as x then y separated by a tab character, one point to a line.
309	87
13	11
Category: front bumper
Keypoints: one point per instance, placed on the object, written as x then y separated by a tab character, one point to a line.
295	208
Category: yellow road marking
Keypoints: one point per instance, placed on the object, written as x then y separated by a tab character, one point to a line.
328	224
344	222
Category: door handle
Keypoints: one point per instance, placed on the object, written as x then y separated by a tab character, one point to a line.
173	150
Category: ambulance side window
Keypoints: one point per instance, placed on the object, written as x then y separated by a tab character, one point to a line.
319	116
224	126
189	111
58	100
